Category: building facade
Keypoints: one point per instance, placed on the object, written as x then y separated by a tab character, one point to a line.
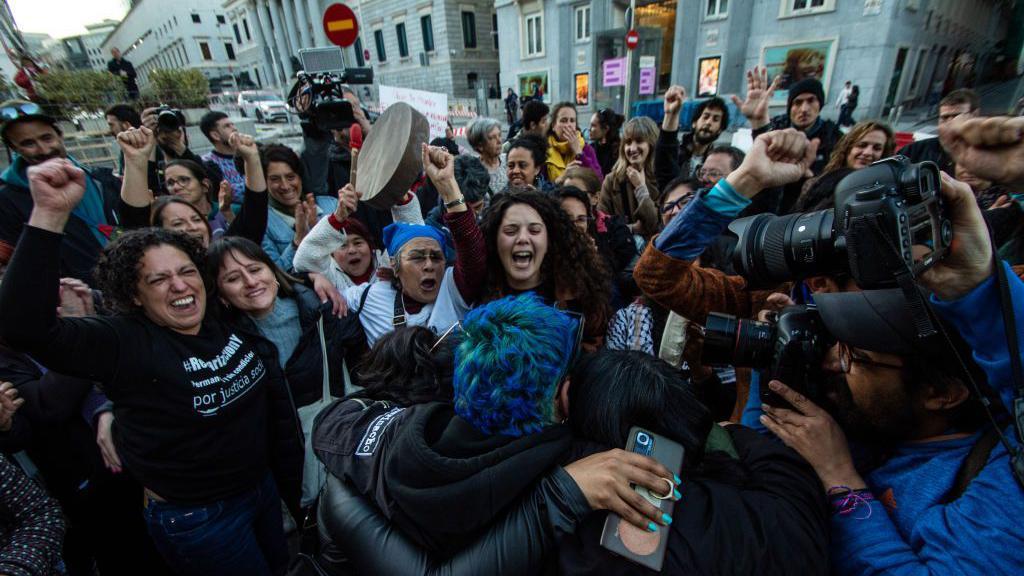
85	51
173	34
436	45
899	52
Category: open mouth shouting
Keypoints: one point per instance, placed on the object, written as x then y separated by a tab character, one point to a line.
185	305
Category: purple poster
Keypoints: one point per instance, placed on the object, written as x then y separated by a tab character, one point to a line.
647	80
614	72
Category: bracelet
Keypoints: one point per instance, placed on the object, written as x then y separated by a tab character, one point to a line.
457	202
845	500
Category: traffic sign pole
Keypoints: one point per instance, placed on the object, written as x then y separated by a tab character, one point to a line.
627	100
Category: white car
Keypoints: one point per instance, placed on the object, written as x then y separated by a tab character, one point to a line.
262	106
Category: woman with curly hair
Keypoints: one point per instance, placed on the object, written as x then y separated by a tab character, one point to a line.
534	246
867	142
566	146
202	414
631	189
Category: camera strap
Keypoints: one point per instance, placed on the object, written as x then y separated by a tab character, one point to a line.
1016	371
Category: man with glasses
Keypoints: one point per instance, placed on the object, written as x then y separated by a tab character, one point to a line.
34	137
963	102
720	161
674	158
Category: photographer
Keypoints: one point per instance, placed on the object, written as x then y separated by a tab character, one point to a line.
172	144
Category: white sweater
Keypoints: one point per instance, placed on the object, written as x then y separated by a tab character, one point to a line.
315	252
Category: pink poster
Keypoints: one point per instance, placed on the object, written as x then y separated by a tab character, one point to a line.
647	80
614	72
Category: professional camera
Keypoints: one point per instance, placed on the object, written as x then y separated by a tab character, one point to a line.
321	80
169	119
791	347
885	216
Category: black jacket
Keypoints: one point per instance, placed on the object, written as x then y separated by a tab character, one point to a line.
929	150
304	370
250	222
438	479
339	168
780	200
607	155
672	157
80	249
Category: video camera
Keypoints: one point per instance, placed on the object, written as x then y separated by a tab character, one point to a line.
791	347
322	79
169	119
882	213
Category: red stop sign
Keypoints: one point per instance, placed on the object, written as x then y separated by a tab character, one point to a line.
632	39
340	25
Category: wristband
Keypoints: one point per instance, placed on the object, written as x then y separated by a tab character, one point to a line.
335	223
845	501
457	202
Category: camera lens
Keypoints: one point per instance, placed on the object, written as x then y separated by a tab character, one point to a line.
168	120
773	249
729	340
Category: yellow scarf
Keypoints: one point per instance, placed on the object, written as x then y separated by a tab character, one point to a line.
560	155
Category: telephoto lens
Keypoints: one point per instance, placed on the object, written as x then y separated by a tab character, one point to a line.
774	249
736	341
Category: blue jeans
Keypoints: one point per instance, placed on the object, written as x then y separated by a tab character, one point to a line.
242	535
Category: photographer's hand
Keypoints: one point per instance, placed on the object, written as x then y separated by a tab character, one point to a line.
969	261
990	148
815	435
777	158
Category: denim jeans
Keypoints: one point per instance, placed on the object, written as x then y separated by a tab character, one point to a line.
242	535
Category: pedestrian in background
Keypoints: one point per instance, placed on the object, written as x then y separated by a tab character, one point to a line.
123	69
511	106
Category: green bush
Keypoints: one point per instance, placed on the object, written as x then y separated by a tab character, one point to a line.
176	88
68	92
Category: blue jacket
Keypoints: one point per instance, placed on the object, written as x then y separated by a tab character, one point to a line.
277	241
910	531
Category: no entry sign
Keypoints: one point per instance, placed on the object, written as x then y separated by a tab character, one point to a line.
340	25
632	39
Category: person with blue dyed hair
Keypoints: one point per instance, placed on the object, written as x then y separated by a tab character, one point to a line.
514	354
425	291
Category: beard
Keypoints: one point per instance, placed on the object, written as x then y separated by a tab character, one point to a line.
886	418
704	136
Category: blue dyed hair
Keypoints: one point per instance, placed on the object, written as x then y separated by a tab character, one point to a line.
511	359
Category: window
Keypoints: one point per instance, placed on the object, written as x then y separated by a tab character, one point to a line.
230	50
205	49
469	29
494	29
535	34
245	26
717	9
403	42
800	7
220	19
917	70
582	20
360	61
471	79
427	28
195	18
238	35
378	39
175	20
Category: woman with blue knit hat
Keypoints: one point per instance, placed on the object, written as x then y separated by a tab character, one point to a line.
425	291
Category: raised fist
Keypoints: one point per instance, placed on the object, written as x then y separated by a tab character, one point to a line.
137	144
57	186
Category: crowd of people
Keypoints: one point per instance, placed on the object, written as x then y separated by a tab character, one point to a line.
230	364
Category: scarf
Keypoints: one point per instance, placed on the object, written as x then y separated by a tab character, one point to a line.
565	155
90	210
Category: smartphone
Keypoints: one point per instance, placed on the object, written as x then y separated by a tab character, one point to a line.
621	537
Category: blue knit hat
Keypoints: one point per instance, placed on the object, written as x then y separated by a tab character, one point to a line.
398	234
511	359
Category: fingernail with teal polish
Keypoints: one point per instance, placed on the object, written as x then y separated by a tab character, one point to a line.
652	526
677	479
677	494
666	518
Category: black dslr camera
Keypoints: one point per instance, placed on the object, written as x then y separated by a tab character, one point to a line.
888	218
169	119
321	81
791	347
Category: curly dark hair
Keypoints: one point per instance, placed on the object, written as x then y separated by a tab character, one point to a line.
117	271
572	268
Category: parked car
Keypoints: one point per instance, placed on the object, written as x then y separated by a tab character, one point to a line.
262	106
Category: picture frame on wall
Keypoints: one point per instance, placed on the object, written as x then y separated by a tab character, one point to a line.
528	80
709	69
796	61
582	86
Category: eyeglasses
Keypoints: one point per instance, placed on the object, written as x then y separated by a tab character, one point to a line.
682	200
847	360
421	256
710	175
174	183
8	113
581	219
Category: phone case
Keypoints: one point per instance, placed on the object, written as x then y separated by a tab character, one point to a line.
624	539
